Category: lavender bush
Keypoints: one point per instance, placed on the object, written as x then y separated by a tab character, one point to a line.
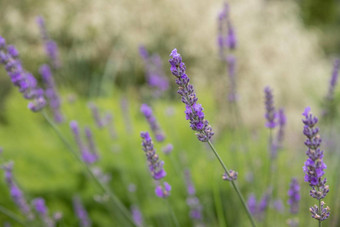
85	172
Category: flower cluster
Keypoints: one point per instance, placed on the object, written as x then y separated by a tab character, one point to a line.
16	194
258	208
147	111
231	176
51	47
270	109
89	153
96	115
154	72
81	213
226	34
137	216
51	92
25	81
194	111
155	165
334	80
294	196
40	207
314	166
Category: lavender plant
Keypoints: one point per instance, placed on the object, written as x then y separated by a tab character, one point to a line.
154	72
51	93
51	47
194	113
155	166
147	111
25	81
81	213
314	167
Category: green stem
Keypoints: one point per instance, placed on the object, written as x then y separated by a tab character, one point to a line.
320	223
173	215
234	184
12	215
106	190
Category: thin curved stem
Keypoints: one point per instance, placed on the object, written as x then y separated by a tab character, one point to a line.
112	196
11	215
251	219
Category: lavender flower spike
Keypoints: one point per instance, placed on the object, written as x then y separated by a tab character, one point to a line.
314	166
294	196
81	213
137	216
155	166
334	80
40	207
26	82
96	115
147	111
194	111
51	92
16	193
270	110
51	47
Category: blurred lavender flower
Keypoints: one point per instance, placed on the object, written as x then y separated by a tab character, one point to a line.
51	47
81	213
51	92
40	207
270	110
155	166
294	196
314	166
334	80
89	154
226	34
147	111
277	144
154	72
16	193
278	205
264	202
252	204
168	148
26	82
329	107
100	175
137	216
96	115
192	200
163	192
194	111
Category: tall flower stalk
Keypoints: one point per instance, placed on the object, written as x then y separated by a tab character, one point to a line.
148	113
194	113
314	167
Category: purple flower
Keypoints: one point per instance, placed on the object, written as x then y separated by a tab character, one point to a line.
15	192
51	47
226	37
154	72
137	216
40	206
270	110
51	92
81	213
168	148
163	191
88	153
252	204
155	165
314	166
147	111
334	79
194	111
294	196
25	81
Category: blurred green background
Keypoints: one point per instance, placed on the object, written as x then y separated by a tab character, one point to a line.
289	45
